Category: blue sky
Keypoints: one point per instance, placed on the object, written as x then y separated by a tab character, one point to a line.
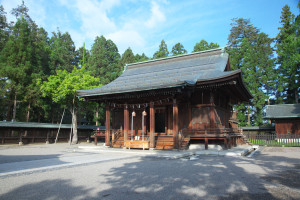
142	24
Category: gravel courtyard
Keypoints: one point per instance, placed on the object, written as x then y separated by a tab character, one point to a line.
273	173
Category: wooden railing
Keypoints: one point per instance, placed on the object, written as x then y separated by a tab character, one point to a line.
211	131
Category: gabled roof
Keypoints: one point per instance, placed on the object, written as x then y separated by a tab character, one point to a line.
170	72
281	111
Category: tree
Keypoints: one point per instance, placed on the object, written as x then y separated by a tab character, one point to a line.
62	52
178	49
4	29
251	52
62	88
287	48
82	56
127	57
16	60
140	58
162	51
203	45
104	60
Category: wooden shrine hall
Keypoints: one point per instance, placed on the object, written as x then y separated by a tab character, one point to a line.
171	102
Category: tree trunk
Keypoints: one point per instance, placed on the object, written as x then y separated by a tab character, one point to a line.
97	114
15	108
74	122
249	116
28	113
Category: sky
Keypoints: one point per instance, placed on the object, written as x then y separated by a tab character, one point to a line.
142	24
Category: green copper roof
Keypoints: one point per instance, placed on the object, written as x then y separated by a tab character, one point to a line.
282	111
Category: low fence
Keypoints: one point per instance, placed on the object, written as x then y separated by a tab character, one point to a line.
274	139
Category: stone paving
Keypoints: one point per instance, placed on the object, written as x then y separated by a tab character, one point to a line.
86	171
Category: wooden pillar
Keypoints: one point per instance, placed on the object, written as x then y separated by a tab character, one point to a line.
107	126
152	125
190	118
175	122
170	120
126	124
212	111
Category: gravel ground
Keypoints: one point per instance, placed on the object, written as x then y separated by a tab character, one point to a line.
272	173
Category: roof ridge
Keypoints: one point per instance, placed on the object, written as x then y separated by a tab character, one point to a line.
222	49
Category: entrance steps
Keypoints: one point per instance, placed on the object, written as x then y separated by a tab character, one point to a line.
202	147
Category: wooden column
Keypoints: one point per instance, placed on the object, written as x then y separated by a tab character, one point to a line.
107	127
126	124
175	122
212	111
190	119
170	120
152	125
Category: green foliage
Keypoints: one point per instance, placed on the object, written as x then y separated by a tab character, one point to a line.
140	58
178	49
203	45
104	60
4	29
62	52
251	52
162	51
288	51
127	58
62	87
82	56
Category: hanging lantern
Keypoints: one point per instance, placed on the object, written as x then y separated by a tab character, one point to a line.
144	113
133	114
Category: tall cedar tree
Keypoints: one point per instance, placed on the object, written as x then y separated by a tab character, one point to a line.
203	45
251	52
82	56
62	52
162	51
4	34
287	48
104	60
178	49
16	60
127	57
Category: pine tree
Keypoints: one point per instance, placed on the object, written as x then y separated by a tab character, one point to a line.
287	48
104	60
4	29
62	52
16	60
251	52
162	51
203	45
178	49
140	58
127	57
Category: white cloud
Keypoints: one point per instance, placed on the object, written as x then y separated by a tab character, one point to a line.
157	16
127	38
